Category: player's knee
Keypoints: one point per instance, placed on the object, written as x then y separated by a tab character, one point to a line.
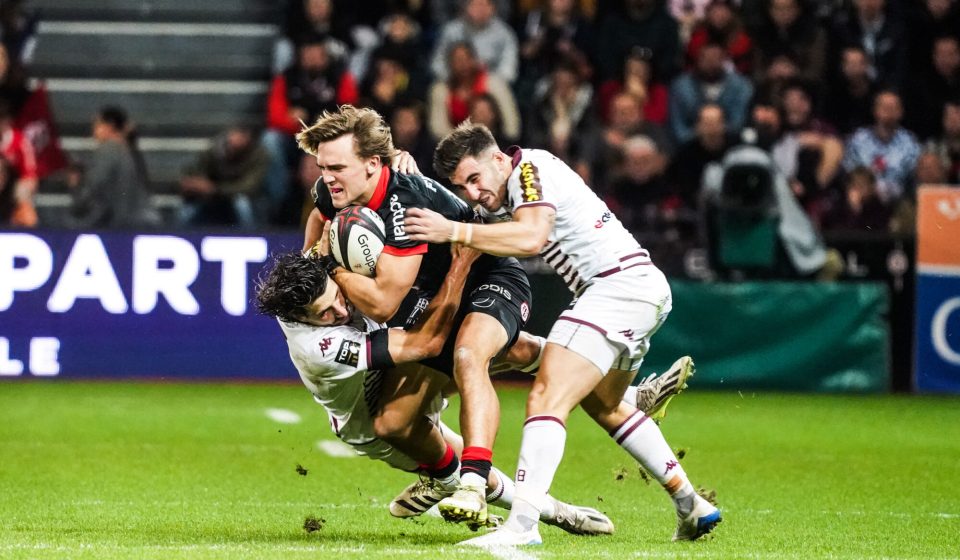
467	362
391	427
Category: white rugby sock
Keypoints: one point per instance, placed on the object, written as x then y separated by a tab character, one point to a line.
503	493
642	439
541	450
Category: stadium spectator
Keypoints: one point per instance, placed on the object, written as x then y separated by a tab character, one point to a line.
554	33
561	114
886	148
808	152
13	83
709	145
484	110
111	190
881	35
926	21
637	78
849	99
947	145
687	13
225	185
722	25
317	82
782	71
386	86
402	41
449	100
645	24
788	30
18	31
18	151
308	20
410	134
639	193
494	41
8	181
443	12
708	82
930	169
941	83
604	147
860	208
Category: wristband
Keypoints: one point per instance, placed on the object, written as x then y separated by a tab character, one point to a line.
468	236
455	233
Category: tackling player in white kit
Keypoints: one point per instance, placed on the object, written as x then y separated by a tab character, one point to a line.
344	358
595	348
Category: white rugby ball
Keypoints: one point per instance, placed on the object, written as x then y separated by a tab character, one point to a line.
357	236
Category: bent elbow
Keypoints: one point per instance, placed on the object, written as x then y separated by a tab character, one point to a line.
531	247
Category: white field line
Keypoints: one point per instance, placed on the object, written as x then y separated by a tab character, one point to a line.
336	448
282	415
511	553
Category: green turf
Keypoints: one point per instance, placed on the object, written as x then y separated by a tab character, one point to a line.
108	470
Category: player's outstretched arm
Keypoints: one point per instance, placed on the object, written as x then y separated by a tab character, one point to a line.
428	335
525	236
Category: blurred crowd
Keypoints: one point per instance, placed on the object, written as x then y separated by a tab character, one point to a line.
855	101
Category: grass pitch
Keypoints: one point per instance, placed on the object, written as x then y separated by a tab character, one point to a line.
112	470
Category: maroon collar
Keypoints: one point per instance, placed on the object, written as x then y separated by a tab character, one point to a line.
516	154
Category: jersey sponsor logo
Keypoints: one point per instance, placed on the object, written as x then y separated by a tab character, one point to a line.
349	353
325	345
396	219
483	303
670	466
524	311
603	219
495	289
530	182
313	191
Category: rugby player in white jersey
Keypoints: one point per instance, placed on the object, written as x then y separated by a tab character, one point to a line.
595	347
344	357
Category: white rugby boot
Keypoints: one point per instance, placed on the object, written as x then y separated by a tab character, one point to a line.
701	520
504	537
579	520
418	498
467	504
655	392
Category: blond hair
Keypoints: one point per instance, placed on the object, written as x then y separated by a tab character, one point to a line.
371	134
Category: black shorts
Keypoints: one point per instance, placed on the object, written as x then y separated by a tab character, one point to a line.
501	291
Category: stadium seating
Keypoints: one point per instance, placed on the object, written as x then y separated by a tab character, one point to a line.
184	71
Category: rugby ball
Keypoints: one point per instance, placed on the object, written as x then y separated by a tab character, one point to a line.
357	236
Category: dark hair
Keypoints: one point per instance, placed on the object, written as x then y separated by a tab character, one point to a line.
465	141
292	283
115	117
119	120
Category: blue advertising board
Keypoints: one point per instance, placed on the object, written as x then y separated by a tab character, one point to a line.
112	304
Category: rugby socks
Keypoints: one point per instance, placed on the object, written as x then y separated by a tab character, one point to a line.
475	465
541	451
504	490
446	471
642	439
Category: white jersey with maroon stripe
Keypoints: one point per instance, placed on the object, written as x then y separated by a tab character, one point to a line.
333	363
587	240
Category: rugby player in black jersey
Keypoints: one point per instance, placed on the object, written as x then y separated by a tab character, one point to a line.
353	148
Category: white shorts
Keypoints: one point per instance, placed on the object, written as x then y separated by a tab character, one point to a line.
357	431
611	321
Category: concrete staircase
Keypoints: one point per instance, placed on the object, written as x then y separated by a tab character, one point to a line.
184	70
